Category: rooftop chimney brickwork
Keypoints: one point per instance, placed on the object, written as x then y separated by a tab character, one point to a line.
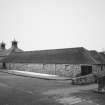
14	44
2	46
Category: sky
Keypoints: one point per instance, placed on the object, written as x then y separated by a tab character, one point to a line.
53	24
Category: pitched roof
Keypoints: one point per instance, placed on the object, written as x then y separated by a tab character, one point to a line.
77	55
6	52
99	57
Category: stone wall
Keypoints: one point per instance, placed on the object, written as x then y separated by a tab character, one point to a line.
97	68
91	78
69	70
54	69
87	79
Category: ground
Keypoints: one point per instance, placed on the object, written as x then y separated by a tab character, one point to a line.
17	90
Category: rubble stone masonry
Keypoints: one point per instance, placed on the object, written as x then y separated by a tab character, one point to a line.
69	70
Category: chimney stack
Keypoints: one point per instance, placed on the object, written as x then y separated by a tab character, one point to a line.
2	45
14	43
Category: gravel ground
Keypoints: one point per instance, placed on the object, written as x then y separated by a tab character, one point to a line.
18	90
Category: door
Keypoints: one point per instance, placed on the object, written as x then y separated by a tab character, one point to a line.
4	65
86	70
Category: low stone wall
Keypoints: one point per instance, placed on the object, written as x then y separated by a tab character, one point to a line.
54	69
96	68
88	79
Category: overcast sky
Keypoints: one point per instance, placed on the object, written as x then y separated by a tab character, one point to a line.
49	24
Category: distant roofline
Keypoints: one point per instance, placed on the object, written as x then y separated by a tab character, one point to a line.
57	49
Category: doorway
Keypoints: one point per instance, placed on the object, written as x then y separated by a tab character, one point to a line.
85	70
4	65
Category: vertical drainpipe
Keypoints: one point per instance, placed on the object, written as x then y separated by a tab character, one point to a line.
55	69
101	67
43	68
65	70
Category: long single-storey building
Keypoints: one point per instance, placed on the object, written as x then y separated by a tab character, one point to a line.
64	62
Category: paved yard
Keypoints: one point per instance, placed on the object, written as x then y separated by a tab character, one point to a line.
17	90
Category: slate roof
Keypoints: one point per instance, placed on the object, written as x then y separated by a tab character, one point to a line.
99	57
6	52
78	55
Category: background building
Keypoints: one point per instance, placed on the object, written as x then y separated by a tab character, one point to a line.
6	52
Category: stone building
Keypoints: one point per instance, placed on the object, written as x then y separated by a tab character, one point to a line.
64	62
2	50
6	52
